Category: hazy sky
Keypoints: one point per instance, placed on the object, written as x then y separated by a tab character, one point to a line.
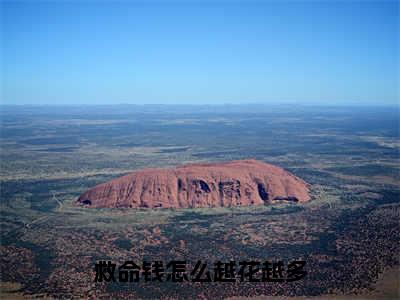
191	53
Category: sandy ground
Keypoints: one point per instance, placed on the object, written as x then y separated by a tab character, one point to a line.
386	288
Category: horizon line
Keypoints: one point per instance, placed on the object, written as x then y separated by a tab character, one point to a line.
361	104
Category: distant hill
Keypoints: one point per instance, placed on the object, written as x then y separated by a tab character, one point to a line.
235	183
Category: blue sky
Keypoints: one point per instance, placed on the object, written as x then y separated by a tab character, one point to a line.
191	52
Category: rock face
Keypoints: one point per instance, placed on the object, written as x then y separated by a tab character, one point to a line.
236	183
